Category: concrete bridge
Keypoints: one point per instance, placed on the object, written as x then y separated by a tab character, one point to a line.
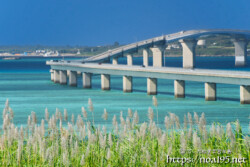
188	40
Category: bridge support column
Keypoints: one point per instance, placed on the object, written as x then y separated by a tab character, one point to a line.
240	52
56	76
73	78
210	91
115	60
145	57
151	86
244	94
63	77
158	56
105	81
52	75
86	80
127	83
129	59
179	89
188	52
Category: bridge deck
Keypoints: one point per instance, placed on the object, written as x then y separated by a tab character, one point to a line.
166	39
199	75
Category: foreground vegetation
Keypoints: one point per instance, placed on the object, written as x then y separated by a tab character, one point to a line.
127	143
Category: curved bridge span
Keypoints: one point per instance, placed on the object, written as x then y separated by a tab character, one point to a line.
240	37
66	72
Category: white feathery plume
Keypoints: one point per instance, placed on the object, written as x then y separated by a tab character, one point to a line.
219	131
163	140
110	140
21	133
60	124
84	113
29	120
114	121
150	114
136	118
82	163
108	154
177	122
130	113
65	158
190	133
65	115
105	114
172	119
202	122
104	130
72	119
190	120
155	103
196	141
230	134
42	128
183	142
237	124
167	122
19	150
128	124
185	122
11	113
91	108
57	114
87	151
212	130
46	114
34	119
102	140
196	118
122	119
79	122
148	157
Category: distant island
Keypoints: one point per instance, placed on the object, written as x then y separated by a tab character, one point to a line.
211	46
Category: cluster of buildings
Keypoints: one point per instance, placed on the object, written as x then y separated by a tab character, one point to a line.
44	53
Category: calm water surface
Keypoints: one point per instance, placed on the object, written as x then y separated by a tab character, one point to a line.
26	83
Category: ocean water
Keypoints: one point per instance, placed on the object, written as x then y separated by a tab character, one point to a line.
26	83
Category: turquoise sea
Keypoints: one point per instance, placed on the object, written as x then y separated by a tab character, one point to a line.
26	83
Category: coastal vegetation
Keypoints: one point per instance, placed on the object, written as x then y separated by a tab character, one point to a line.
216	45
64	140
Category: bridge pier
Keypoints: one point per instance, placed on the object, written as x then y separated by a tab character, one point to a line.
240	46
127	84
151	86
105	81
87	80
210	91
244	94
158	56
52	75
129	59
63	77
72	78
56	76
145	57
179	88
188	52
115	60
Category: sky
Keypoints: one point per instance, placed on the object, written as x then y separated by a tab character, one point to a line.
102	22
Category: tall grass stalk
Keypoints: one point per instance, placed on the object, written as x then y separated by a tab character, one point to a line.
65	143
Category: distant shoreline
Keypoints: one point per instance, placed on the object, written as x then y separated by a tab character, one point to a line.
83	56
